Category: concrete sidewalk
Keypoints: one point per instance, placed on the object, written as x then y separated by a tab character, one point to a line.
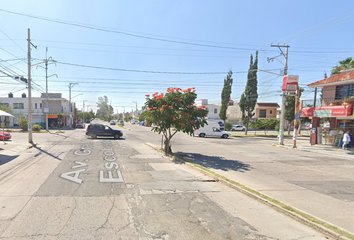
303	144
19	141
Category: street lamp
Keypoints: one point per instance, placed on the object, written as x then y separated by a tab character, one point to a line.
136	107
83	112
71	109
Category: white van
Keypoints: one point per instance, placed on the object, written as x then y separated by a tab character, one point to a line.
211	130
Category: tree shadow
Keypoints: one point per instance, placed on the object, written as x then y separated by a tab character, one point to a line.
214	162
5	158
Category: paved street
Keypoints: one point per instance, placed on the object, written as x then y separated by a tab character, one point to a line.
71	186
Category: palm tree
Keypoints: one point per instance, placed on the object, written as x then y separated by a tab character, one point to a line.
345	64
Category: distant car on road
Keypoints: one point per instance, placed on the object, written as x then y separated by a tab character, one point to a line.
5	136
121	122
112	122
80	125
238	128
208	131
95	130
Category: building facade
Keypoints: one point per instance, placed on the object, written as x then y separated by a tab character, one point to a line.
335	105
58	108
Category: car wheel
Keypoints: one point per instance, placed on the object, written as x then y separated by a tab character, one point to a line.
243	129
116	136
225	136
202	135
94	136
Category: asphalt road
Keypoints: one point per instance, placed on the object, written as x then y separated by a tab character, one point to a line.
74	187
318	183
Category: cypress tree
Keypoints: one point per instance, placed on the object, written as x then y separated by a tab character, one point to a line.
249	96
225	95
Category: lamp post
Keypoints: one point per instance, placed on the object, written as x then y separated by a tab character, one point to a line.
136	107
83	112
71	110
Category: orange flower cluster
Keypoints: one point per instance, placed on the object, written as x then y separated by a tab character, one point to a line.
162	109
186	113
174	118
192	121
163	105
173	89
157	96
189	89
183	124
154	107
170	106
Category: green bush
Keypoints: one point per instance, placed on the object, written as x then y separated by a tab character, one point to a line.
36	127
228	126
23	123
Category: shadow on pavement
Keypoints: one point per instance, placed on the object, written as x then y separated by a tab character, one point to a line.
5	158
214	162
45	152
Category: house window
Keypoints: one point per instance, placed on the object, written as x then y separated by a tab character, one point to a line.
40	105
262	113
270	111
18	106
344	91
215	110
35	106
4	104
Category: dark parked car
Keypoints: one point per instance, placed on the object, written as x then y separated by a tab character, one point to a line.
101	130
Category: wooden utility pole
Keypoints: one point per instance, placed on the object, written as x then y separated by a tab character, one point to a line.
297	112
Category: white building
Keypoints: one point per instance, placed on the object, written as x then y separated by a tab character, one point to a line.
19	106
213	109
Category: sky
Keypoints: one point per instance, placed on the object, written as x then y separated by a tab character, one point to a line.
127	49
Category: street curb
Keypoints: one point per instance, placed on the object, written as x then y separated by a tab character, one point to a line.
280	207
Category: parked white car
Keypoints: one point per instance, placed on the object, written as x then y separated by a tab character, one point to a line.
211	132
238	128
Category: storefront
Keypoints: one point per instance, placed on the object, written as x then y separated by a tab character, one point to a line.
341	119
55	118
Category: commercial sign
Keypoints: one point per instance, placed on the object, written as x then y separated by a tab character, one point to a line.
290	82
328	111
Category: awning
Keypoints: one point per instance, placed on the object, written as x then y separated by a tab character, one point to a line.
328	111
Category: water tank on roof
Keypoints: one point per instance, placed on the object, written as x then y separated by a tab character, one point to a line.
11	95
23	95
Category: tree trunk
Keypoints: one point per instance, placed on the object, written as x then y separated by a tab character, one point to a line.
167	146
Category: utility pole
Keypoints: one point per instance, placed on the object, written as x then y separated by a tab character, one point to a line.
282	113
71	111
46	86
29	88
46	109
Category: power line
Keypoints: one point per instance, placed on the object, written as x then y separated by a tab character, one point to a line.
140	71
81	25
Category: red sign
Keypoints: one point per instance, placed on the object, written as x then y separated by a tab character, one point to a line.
290	82
328	111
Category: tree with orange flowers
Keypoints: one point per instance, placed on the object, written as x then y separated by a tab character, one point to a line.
174	112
